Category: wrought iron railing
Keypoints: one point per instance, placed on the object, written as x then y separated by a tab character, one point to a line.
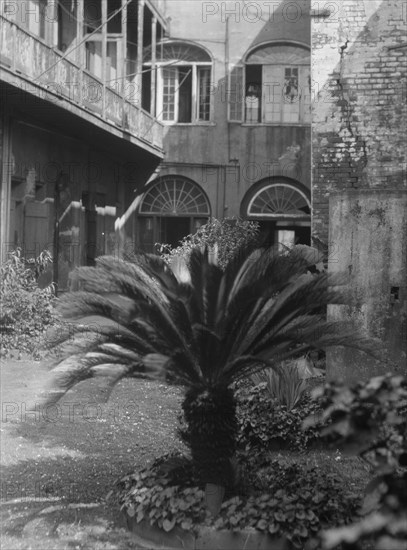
28	55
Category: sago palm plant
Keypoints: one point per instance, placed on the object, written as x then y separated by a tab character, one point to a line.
204	334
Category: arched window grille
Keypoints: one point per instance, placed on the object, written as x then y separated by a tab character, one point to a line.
172	196
279	201
171	209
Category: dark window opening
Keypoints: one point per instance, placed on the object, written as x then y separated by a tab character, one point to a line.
253	93
146	89
185	94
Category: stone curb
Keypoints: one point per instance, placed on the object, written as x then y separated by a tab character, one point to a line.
154	538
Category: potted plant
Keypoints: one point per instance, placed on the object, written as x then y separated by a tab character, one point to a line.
220	327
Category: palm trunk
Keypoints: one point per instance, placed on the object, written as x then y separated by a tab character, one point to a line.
210	415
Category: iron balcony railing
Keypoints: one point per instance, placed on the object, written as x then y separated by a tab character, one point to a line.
27	55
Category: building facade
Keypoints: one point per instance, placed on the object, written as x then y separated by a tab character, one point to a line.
75	140
233	94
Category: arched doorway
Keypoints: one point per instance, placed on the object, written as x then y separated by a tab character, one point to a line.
173	207
282	208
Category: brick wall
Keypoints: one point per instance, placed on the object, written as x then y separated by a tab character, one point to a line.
359	107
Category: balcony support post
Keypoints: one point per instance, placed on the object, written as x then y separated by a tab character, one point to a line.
153	63
81	49
140	38
104	55
124	57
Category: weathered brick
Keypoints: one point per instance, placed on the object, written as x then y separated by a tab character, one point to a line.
371	101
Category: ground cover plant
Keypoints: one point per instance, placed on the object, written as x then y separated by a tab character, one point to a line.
370	420
287	500
206	334
26	309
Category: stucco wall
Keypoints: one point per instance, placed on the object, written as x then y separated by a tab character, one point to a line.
258	151
368	232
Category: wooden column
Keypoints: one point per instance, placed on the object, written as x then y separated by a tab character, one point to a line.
81	49
139	66
123	74
153	63
104	53
5	184
124	42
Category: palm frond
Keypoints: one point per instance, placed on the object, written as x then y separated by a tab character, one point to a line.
219	327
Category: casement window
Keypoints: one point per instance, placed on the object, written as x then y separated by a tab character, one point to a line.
184	75
273	87
30	14
94	44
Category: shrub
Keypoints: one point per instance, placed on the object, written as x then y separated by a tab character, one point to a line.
287	383
27	310
265	424
370	420
292	502
223	238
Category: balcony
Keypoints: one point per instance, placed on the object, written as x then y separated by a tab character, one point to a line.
29	63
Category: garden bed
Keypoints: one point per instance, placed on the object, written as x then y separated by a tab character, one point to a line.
285	503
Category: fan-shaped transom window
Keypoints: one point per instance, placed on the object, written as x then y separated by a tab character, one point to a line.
178	51
283	54
279	201
175	196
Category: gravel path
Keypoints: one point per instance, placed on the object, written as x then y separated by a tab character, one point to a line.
58	465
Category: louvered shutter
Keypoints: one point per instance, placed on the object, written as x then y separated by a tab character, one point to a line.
235	95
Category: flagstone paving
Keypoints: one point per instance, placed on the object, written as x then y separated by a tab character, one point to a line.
59	464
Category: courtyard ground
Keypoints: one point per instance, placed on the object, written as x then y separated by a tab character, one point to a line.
58	466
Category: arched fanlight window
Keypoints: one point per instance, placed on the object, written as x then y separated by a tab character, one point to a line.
171	209
279	55
178	51
279	201
175	196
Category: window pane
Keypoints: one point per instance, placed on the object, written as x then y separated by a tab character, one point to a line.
285	238
111	62
291	103
94	57
185	94
273	78
115	24
169	87
92	16
204	97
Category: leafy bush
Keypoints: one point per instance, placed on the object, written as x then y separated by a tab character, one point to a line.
27	310
370	420
265	424
223	238
287	383
292	502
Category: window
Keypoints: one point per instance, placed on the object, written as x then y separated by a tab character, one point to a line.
171	209
31	15
279	200
184	73
283	210
94	45
273	87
